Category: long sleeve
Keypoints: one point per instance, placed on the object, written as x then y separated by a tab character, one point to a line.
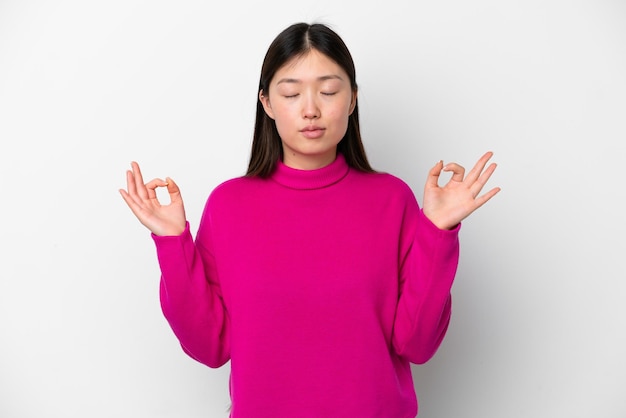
320	286
427	271
191	298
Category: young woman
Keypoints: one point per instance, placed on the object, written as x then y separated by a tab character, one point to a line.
320	279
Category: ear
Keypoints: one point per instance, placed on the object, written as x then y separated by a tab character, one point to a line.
353	102
265	101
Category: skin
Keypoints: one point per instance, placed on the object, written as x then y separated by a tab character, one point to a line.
447	206
142	200
310	99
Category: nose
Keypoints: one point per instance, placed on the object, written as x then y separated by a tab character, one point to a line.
310	108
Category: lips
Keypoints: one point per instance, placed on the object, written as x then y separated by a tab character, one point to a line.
312	132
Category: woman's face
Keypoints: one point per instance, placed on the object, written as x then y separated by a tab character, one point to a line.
310	99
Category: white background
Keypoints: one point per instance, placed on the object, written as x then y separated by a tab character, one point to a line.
538	327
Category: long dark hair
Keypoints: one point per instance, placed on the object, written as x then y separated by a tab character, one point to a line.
294	41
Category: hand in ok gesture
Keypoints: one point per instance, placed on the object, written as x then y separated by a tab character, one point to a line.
448	205
142	200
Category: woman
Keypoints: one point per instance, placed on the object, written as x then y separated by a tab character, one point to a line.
320	279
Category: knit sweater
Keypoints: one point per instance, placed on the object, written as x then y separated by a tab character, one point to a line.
320	287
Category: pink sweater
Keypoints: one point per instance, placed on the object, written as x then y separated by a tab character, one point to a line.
319	286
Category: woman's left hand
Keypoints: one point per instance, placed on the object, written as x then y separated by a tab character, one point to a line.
448	205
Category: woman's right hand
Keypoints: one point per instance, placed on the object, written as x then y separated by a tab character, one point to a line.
142	200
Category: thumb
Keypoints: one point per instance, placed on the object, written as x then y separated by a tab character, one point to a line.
173	190
433	175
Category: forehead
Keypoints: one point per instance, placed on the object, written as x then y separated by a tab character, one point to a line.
313	64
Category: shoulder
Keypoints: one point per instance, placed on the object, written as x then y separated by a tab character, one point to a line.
385	184
234	188
234	185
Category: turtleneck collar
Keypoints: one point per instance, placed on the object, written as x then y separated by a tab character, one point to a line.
311	179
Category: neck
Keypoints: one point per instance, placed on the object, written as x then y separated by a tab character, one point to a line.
308	162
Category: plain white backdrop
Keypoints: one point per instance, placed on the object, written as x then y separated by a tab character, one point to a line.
538	327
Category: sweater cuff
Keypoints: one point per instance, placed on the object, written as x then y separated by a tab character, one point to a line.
432	231
165	244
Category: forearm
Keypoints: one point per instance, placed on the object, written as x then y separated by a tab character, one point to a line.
424	306
191	301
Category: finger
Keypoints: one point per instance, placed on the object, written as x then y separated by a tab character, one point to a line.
132	204
433	175
151	187
481	200
130	182
139	184
458	172
478	185
132	188
474	173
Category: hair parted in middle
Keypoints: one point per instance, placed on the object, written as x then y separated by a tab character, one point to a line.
295	41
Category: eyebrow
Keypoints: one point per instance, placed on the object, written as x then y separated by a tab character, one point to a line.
322	78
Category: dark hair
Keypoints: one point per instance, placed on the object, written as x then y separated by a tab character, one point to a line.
294	41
